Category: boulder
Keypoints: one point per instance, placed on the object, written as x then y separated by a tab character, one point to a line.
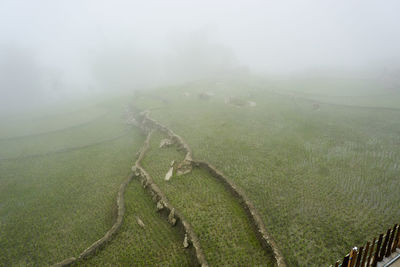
165	143
252	103
238	102
171	217
169	174
133	122
136	171
205	95
144	183
184	167
140	222
186	243
160	205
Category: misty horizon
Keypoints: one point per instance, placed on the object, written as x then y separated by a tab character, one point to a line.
55	50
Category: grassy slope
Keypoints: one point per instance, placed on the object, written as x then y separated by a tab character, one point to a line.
33	124
158	244
55	206
323	180
221	224
102	128
357	92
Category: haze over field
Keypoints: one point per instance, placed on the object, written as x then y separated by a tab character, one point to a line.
198	133
59	49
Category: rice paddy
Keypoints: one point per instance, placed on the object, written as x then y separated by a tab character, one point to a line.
322	174
220	222
324	179
54	205
156	243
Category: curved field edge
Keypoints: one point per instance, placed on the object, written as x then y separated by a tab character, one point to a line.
166	208
91	250
66	201
262	235
103	129
345	104
181	224
361	93
221	224
110	233
153	243
77	119
68	149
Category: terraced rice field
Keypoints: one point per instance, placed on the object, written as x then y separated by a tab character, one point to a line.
155	244
345	91
40	122
54	205
220	222
101	129
323	179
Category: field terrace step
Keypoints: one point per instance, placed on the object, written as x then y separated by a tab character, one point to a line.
223	228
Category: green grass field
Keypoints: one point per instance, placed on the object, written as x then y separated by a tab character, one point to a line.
340	91
53	206
40	122
102	129
223	229
324	180
157	244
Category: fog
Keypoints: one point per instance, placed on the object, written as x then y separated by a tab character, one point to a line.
52	50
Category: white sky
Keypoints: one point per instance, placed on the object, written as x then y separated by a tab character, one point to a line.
268	36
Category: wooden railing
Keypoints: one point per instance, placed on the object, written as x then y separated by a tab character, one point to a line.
373	252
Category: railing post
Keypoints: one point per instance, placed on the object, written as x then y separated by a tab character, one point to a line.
396	241
345	260
371	251
353	257
365	255
383	248
389	246
360	251
378	248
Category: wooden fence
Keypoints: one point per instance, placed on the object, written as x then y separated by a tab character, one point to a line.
373	252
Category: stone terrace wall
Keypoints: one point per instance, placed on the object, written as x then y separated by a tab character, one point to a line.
166	208
265	239
110	233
